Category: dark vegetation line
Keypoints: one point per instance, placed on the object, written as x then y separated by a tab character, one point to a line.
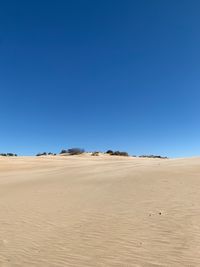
78	151
8	155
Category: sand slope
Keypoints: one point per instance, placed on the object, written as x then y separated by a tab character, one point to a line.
99	211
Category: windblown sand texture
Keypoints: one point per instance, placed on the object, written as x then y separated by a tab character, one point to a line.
99	211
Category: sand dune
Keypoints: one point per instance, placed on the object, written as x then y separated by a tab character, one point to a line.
99	211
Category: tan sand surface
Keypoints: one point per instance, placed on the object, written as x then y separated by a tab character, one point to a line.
99	211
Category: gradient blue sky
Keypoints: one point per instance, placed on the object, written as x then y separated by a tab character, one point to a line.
100	75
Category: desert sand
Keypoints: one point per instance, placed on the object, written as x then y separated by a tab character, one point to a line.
99	211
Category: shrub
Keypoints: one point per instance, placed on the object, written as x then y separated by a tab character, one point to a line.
125	154
117	153
41	154
96	153
153	157
109	152
63	151
8	155
75	151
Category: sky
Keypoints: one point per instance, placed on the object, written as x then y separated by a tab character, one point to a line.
109	74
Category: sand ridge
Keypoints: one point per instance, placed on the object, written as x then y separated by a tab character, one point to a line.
99	211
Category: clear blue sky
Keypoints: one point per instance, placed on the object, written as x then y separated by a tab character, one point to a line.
100	75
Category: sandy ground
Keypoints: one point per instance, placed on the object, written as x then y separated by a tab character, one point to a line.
99	211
